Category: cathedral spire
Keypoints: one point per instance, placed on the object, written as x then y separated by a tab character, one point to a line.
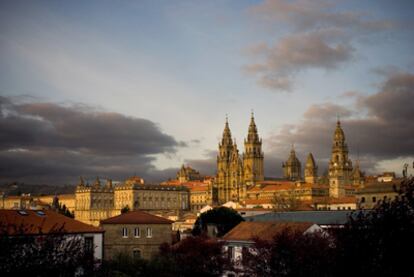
252	136
226	140
311	170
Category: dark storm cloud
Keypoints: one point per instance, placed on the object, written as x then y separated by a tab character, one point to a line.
47	142
386	132
75	128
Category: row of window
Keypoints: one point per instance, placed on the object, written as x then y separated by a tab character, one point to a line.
374	199
137	232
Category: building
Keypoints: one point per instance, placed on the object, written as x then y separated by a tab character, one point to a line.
325	219
24	201
150	197
186	173
136	233
311	170
244	234
200	191
374	192
97	202
199	197
340	166
67	200
45	222
292	169
236	173
94	202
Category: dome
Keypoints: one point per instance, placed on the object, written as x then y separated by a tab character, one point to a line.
293	160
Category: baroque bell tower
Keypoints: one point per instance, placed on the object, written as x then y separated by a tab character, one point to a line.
223	165
340	166
253	156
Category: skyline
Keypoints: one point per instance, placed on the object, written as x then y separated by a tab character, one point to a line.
109	89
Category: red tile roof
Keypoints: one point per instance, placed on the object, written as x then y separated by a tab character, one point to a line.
30	222
248	231
136	217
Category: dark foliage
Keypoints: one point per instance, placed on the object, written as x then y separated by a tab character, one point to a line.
372	243
224	218
43	255
63	210
124	265
379	243
194	256
290	253
125	209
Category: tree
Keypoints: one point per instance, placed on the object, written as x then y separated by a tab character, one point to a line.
65	211
52	254
224	218
377	243
289	253
287	202
125	209
193	256
122	264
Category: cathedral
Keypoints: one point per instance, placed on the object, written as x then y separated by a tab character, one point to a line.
236	173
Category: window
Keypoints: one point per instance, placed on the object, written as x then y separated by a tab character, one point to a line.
374	199
89	244
363	200
124	232
137	233
230	253
149	232
136	253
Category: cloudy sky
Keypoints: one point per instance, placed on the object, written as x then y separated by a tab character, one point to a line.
116	88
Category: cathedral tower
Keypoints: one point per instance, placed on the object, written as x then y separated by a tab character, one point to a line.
229	169
253	156
340	166
292	167
311	170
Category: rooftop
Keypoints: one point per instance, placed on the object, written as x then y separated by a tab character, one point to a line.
136	217
36	222
319	217
248	231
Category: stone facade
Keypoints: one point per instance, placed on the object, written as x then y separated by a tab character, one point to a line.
292	168
235	173
137	234
186	174
340	166
311	170
94	203
97	202
144	246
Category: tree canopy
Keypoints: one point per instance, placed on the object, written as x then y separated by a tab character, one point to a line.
224	218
